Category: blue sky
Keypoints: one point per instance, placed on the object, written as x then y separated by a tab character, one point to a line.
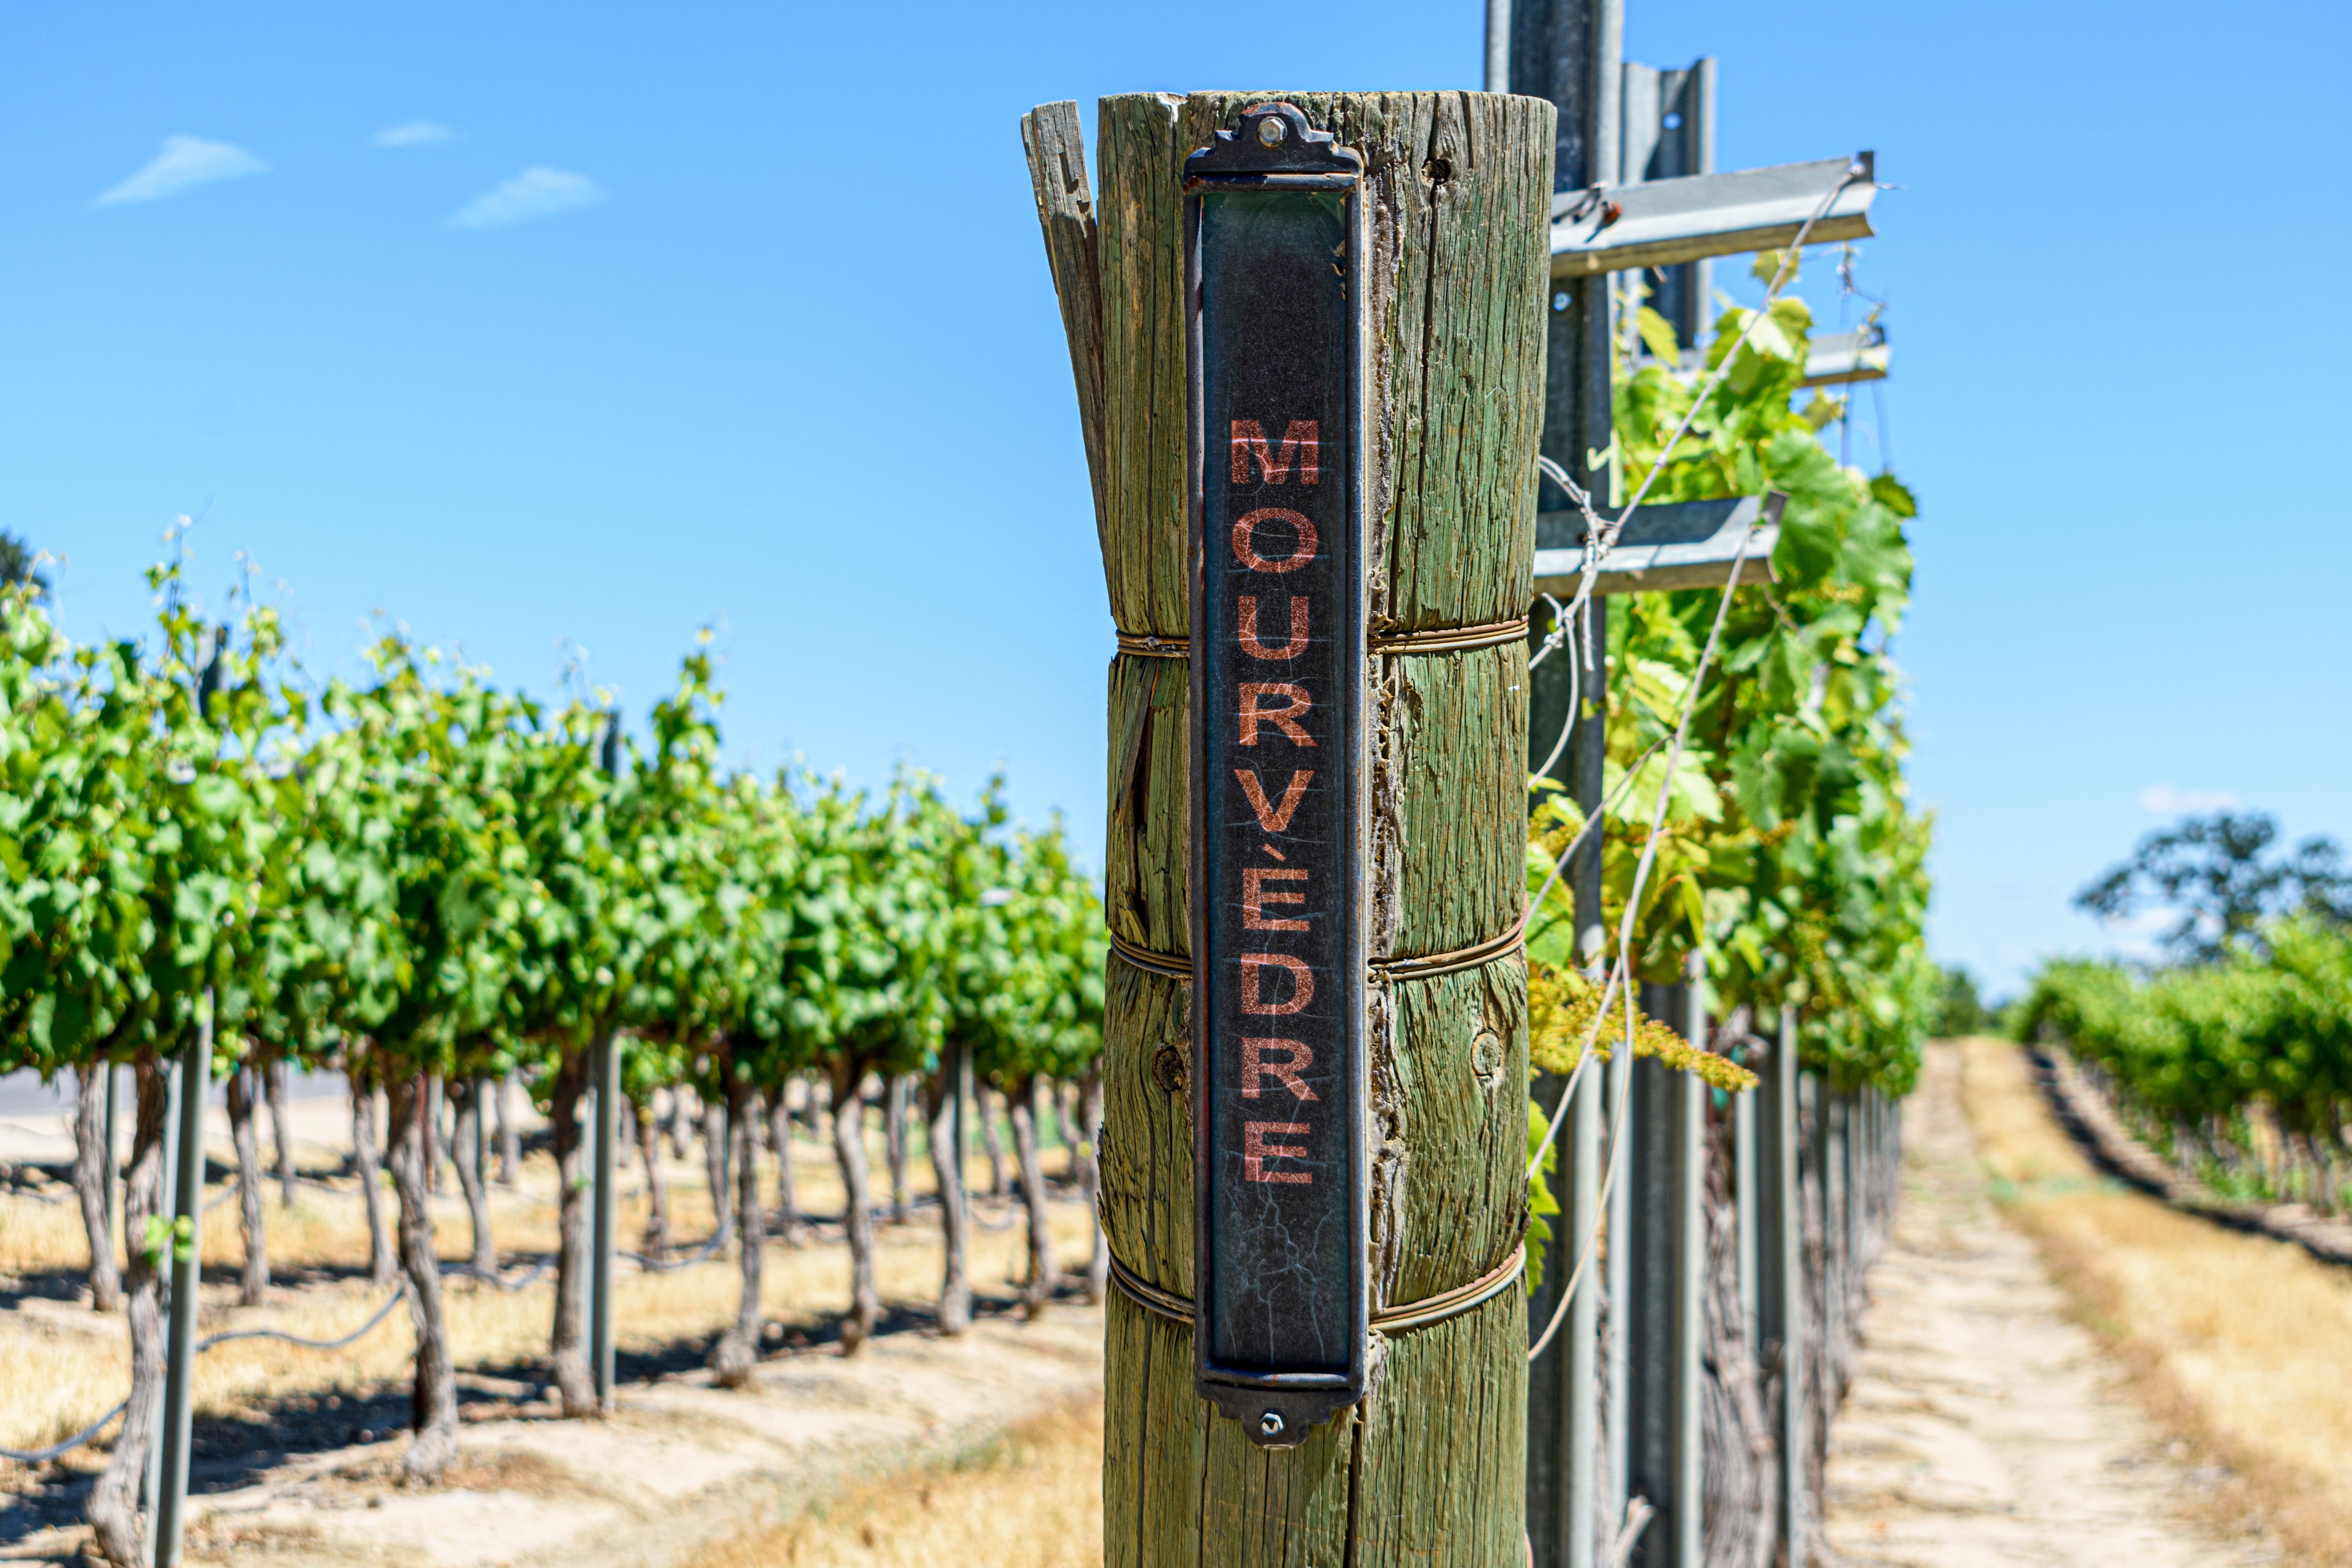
546	329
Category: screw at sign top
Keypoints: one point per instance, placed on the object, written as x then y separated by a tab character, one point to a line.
1270	1424
1271	131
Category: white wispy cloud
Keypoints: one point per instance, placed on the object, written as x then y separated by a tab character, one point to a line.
2164	800
185	160
537	192
414	134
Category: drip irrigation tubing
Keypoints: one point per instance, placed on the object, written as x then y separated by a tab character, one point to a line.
58	1450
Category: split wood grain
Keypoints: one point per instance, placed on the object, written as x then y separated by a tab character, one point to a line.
1051	135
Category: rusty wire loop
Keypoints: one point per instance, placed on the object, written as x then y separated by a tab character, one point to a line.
1423	966
1394	1320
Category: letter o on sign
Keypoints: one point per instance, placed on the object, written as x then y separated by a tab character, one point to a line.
1246	539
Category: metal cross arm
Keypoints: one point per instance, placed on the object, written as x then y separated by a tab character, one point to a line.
1680	544
1656	223
1833	358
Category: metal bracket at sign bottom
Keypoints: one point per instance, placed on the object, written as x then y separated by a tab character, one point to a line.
1278	1410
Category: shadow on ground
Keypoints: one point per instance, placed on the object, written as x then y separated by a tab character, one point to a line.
231	1453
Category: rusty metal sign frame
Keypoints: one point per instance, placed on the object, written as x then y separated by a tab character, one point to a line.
1281	1337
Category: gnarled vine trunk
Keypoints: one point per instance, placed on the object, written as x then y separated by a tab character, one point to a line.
1042	1275
92	1164
255	1284
114	1500
433	1401
566	1350
737	1354
955	1220
849	1147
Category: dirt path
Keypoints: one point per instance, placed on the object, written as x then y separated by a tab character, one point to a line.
1984	1426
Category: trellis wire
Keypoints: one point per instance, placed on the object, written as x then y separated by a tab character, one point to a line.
1600	1205
1624	786
1625	944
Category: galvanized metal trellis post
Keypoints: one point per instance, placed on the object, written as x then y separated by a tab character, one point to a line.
166	1202
960	1085
1568	51
187	1229
604	1075
1692	1153
1780	1279
1669	135
1747	1207
1666	1257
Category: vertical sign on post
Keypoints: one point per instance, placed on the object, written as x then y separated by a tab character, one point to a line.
1274	248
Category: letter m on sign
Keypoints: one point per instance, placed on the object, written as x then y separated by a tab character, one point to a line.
1299	443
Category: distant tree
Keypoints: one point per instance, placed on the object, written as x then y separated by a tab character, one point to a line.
1959	1010
16	563
2217	873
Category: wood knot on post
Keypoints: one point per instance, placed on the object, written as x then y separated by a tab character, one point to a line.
1169	1070
1487	1056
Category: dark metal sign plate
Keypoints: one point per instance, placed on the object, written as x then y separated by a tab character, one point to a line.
1279	773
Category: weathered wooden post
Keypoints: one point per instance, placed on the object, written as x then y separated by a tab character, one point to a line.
1336	496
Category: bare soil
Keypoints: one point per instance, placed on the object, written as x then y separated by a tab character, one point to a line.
681	1464
2057	1370
297	1452
1986	1424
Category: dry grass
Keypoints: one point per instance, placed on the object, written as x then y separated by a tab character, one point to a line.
1031	1496
64	1365
2240	1343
